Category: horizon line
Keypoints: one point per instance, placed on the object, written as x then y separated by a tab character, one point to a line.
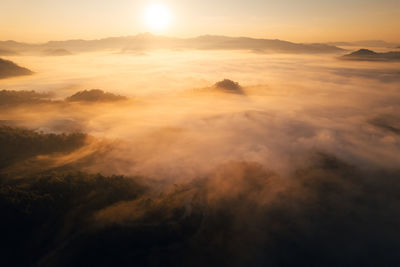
196	36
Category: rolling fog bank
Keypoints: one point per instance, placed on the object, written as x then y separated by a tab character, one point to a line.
289	106
297	166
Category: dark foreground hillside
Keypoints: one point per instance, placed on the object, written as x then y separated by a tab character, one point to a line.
328	214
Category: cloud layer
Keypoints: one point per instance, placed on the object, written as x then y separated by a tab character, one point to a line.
300	167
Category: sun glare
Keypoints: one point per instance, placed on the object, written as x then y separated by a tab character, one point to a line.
157	17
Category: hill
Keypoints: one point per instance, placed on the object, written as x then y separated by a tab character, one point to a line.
56	52
94	95
14	98
10	69
229	86
4	52
369	55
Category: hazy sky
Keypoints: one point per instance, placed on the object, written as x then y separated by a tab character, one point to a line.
296	20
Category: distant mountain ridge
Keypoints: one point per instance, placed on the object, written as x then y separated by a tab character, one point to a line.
148	41
366	43
56	52
4	52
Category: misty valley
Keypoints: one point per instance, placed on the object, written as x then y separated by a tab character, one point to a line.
207	151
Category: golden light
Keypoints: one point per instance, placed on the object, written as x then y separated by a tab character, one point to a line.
157	17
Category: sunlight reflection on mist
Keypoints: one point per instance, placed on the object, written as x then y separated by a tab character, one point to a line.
175	125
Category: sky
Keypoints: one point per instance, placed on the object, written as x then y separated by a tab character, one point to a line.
293	20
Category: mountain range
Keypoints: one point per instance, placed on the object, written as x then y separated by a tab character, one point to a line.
366	43
148	41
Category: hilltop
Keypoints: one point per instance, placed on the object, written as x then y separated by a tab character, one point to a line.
10	69
369	55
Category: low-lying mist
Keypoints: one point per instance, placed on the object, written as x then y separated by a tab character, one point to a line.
290	107
300	163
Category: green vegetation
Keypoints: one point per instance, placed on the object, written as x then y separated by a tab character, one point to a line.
41	211
12	98
244	215
94	95
19	144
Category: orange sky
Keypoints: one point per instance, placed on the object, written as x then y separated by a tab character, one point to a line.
295	20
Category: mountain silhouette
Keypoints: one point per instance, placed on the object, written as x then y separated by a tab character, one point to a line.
229	86
148	41
94	95
10	69
369	55
366	43
56	52
4	52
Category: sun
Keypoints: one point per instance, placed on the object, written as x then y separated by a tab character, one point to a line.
157	17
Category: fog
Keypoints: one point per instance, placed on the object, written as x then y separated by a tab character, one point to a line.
308	143
146	72
175	121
